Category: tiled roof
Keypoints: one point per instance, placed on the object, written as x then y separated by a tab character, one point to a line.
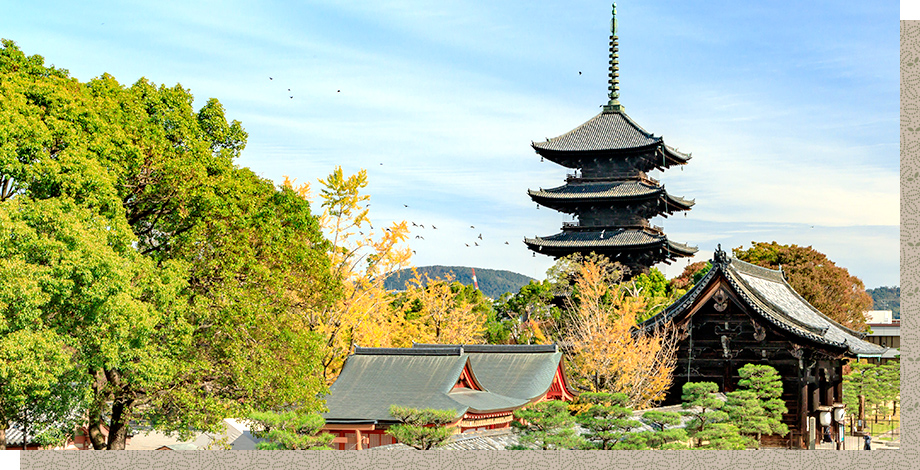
370	383
767	292
489	439
598	238
605	189
519	371
606	131
618	237
625	189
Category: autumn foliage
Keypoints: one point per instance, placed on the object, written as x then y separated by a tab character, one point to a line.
606	355
826	286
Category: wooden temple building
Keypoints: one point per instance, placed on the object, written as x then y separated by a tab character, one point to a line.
739	313
610	193
483	383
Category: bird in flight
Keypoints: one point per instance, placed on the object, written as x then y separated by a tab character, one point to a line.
405	205
467	244
506	243
480	236
477	244
420	225
434	227
270	78
472	226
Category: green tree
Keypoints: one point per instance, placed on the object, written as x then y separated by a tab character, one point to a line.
607	420
548	426
829	288
529	316
39	387
707	423
655	290
889	378
180	280
862	380
661	437
757	408
423	429
691	275
290	431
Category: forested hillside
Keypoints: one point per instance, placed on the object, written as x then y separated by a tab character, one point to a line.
493	283
887	298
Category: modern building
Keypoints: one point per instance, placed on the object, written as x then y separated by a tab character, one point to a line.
885	332
739	313
610	193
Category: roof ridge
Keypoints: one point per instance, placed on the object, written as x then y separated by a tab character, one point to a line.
433	351
497	348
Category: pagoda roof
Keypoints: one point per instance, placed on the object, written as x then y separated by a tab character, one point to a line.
614	238
766	292
628	189
609	130
373	379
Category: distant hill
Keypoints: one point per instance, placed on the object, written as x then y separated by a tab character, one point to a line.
887	298
492	282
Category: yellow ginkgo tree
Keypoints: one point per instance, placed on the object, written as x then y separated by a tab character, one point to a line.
606	354
360	258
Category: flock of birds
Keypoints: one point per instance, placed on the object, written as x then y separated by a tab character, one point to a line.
422	226
433	227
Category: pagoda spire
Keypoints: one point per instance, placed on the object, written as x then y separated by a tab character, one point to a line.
613	105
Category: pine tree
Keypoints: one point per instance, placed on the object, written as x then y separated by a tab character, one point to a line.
423	429
547	425
607	420
707	424
290	431
758	407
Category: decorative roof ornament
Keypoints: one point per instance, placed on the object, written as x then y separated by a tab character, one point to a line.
613	105
720	257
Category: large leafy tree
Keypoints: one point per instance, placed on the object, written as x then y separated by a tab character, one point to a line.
529	316
359	259
606	354
178	278
828	287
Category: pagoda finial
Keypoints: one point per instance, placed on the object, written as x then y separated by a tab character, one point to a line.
613	105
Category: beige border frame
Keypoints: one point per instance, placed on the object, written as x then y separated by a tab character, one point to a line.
578	460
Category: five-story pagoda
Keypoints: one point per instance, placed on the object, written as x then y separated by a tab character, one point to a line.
610	193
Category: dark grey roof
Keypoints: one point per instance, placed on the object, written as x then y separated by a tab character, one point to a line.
494	348
520	370
608	131
607	190
603	189
767	292
613	238
370	383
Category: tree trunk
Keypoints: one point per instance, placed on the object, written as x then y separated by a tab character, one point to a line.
96	437
118	426
2	437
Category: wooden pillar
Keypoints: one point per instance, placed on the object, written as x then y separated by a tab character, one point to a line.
812	432
803	409
358	439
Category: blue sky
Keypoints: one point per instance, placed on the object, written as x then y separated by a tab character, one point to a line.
790	110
